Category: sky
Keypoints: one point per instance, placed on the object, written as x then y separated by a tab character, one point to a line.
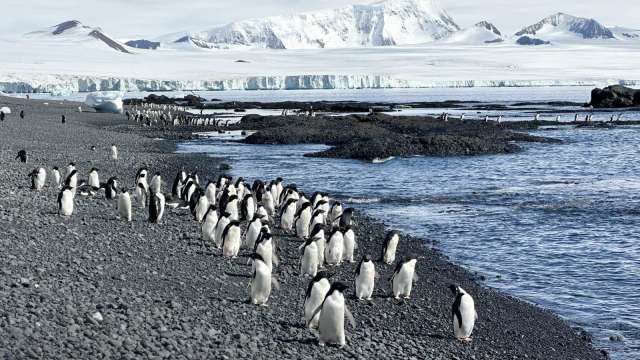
152	18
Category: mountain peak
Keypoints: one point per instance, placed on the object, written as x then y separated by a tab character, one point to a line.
564	24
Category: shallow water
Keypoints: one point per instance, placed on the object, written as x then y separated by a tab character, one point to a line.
556	224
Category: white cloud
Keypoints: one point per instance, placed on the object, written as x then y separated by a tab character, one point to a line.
150	18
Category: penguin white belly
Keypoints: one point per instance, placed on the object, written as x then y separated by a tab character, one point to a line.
250	208
331	322
66	206
252	234
333	250
403	282
56	178
124	206
232	209
222	223
161	204
209	226
232	242
365	281
349	246
201	208
390	254
41	179
260	284
210	193
302	224
265	249
322	243
468	313
114	153
156	184
287	218
309	261
268	203
315	299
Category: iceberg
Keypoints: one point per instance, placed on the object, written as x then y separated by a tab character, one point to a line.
105	101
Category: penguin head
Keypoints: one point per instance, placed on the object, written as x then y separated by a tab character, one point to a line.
457	290
366	258
337	286
55	168
316	229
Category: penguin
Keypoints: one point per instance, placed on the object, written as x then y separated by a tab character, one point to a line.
272	189
65	201
202	205
463	313
350	243
155	186
22	155
279	189
187	190
231	239
389	247
334	248
56	177
269	203
253	231
70	168
262	212
301	201
403	277
72	181
178	183
94	179
64	119
317	234
303	220
210	192
261	281
141	194
111	188
332	313
287	214
232	207
365	279
209	224
309	259
222	223
266	248
248	207
114	152
317	218
21	114
335	213
346	219
38	178
156	207
124	205
317	290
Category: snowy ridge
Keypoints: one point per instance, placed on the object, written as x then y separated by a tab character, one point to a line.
390	22
483	32
75	31
562	25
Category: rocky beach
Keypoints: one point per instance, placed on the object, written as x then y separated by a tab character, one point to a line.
94	286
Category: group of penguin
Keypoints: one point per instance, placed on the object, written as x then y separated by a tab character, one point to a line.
222	206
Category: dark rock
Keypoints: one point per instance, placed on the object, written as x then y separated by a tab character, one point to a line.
143	44
525	40
615	96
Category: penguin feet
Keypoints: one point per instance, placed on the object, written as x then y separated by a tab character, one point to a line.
465	340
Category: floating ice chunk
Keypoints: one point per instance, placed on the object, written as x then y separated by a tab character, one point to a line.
5	110
105	101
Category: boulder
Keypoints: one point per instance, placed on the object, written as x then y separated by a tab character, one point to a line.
525	40
615	96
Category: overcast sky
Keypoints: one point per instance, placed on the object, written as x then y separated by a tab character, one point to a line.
150	18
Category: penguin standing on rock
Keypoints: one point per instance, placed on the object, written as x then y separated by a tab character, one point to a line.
350	243
309	260
22	155
463	312
209	224
210	192
156	207
365	279
111	188
94	179
253	231
302	220
261	281
313	298
334	248
266	248
335	213
287	214
231	239
156	183
70	167
389	247
65	201
317	235
222	223
332	313
346	219
248	206
403	278
124	205
56	177
114	152
38	178
72	181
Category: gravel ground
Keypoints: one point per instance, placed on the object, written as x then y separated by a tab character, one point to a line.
93	286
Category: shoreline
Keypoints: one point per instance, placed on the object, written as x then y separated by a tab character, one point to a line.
176	298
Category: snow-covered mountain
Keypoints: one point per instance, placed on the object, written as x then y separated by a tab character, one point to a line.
623	33
75	31
483	32
562	26
390	22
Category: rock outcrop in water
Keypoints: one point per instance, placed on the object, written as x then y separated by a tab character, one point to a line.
367	137
615	96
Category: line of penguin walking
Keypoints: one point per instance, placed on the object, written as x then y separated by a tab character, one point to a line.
325	228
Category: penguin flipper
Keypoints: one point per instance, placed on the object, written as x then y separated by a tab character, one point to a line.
275	283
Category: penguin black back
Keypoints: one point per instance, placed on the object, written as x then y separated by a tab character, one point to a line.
319	276
455	308
22	155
